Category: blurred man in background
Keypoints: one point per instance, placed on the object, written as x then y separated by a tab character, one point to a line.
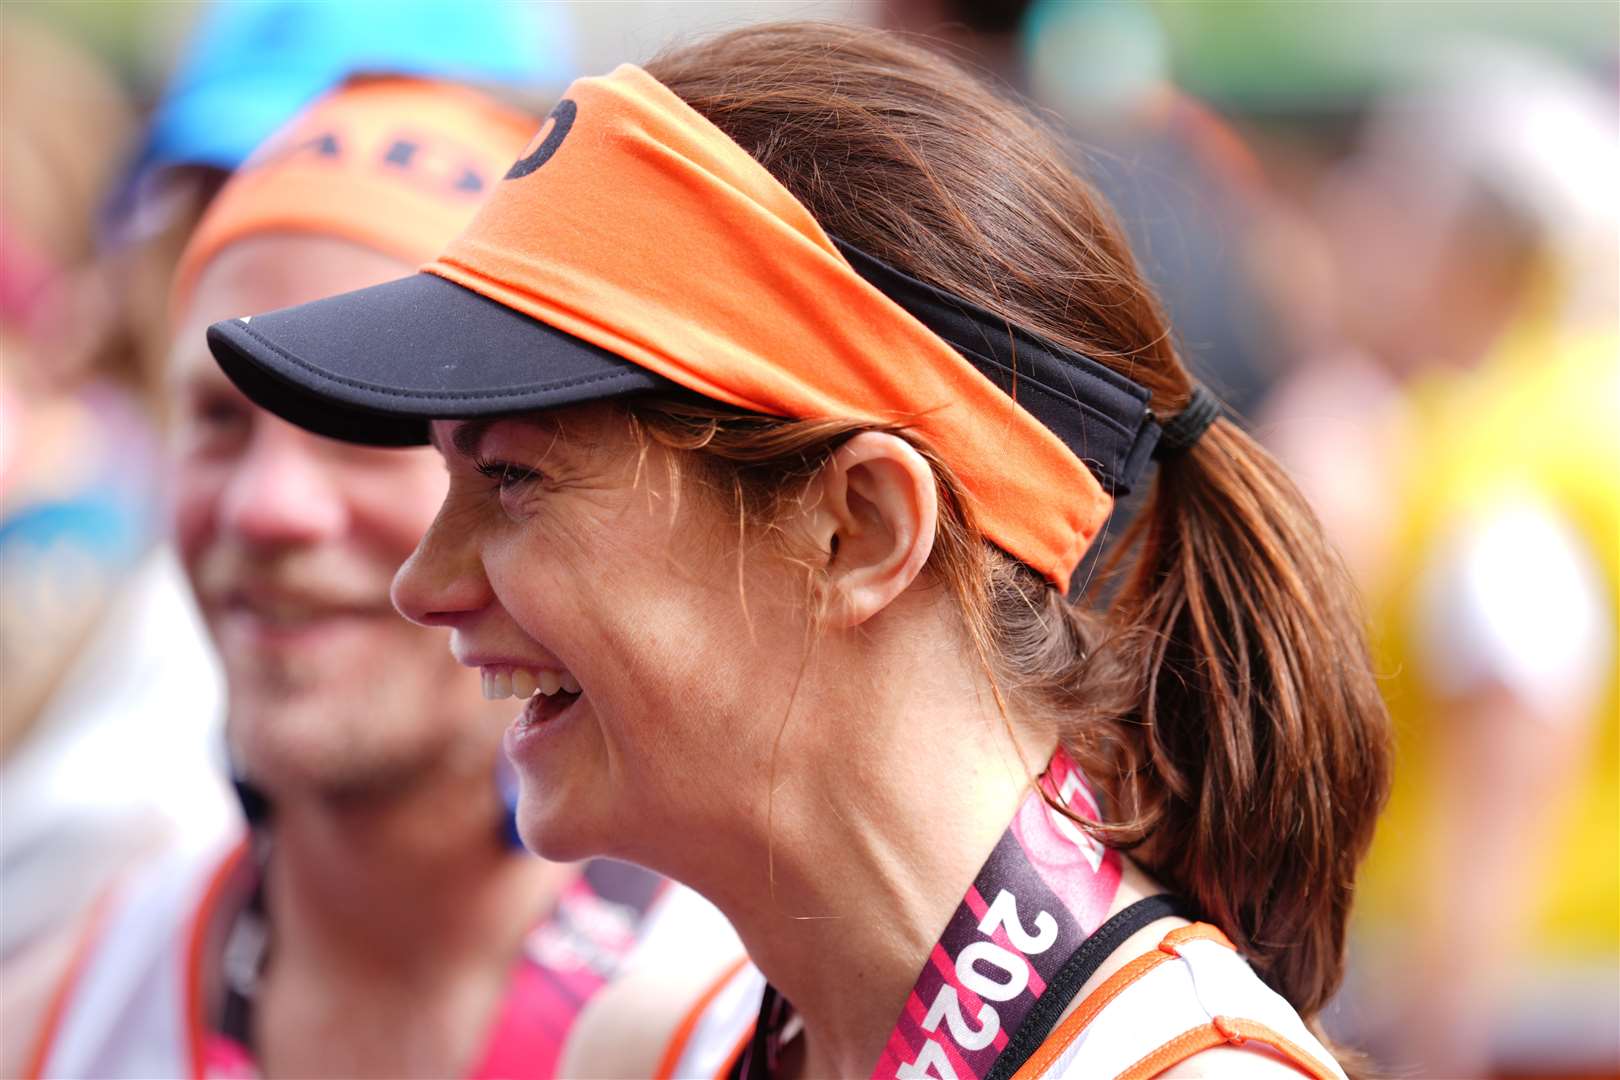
378	919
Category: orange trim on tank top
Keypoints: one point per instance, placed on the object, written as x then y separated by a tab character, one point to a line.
1072	1025
1224	1030
689	1022
196	938
736	1052
57	1009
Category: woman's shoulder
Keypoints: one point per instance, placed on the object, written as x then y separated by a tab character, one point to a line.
1187	1006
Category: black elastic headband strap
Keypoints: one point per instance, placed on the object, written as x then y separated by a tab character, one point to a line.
1188	425
1099	414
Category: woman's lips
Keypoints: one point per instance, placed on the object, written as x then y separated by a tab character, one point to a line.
540	719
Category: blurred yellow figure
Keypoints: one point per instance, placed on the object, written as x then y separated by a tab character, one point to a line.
1462	441
1493	891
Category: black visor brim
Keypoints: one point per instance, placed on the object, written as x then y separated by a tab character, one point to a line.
374	366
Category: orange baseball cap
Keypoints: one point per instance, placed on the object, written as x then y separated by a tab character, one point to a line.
396	164
634	247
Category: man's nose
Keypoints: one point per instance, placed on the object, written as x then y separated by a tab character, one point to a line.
281	493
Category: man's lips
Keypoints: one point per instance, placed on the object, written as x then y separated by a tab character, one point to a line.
284	609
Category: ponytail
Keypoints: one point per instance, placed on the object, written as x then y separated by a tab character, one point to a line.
1257	754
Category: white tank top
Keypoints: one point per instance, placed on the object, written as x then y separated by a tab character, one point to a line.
1192	993
124	1008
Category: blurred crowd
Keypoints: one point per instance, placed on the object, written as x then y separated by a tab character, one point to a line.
1401	275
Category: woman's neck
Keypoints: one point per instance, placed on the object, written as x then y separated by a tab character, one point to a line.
879	814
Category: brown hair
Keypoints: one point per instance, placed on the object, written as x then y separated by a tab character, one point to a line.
1223	699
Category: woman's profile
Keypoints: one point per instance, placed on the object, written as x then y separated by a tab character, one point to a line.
784	387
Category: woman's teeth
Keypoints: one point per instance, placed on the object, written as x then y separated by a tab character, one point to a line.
524	683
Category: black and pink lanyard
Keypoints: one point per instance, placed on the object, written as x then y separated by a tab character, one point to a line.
1030	931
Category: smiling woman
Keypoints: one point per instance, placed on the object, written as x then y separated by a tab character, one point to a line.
781	401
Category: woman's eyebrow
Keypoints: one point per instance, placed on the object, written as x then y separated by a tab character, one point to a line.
468	436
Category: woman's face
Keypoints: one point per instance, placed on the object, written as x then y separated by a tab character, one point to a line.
565	553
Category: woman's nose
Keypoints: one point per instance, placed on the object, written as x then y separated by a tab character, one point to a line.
443	582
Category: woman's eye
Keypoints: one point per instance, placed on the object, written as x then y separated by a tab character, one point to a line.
507	476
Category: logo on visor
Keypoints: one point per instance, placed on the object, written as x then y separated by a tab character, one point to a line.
555	130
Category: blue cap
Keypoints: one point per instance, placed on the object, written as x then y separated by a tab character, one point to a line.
252	64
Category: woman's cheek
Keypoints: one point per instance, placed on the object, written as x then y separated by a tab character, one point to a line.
542	591
565	536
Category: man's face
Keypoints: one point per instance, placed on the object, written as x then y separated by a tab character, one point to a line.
291	541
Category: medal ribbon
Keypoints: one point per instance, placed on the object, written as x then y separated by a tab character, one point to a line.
1044	889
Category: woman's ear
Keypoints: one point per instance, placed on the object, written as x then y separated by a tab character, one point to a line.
872	510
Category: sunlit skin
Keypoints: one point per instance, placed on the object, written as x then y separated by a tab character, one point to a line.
396	904
826	764
635	593
588	556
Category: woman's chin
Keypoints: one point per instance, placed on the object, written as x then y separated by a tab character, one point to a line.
554	834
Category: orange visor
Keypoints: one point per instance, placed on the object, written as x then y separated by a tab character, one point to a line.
395	164
633	245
